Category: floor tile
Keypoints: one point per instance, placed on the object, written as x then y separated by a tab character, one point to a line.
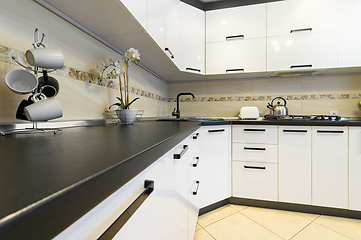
285	224
202	235
309	216
346	226
315	231
239	227
215	215
199	227
238	207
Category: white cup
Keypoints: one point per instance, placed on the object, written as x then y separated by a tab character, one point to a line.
50	58
21	81
43	110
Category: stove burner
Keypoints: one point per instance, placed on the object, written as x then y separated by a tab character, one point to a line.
304	117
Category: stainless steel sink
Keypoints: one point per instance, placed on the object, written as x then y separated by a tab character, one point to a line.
198	119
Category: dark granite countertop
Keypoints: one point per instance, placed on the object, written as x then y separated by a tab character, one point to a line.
48	181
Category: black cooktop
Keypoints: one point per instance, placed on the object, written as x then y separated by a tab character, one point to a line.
303	117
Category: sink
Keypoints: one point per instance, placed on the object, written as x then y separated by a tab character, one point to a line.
198	119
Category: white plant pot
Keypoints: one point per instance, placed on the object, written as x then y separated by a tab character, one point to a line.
128	116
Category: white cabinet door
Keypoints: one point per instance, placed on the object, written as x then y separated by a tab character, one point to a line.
173	35
138	8
192	39
156	16
349	50
248	152
215	167
285	16
255	180
295	164
236	56
330	166
255	134
355	168
247	21
349	14
302	51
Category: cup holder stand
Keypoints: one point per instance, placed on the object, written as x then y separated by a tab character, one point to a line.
34	129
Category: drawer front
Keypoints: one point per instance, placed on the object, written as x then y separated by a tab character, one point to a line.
255	134
255	152
255	180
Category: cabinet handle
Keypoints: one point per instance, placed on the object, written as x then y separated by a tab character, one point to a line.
326	131
254	167
196	136
114	228
254	130
295	131
179	155
257	149
234	37
195	164
301	66
193	69
234	70
216	130
301	30
195	191
171	54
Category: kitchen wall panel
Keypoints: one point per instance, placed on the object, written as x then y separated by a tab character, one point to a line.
78	98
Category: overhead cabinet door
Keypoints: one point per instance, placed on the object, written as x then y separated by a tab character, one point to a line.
285	17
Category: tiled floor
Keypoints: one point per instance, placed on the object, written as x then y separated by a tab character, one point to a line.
235	222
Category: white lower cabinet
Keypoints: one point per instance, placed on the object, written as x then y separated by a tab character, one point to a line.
295	164
215	164
355	168
330	166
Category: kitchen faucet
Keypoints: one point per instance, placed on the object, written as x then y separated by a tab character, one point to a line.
177	112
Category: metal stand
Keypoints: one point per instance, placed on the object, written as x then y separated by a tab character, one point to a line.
34	129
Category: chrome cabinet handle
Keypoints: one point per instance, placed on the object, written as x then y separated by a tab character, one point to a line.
196	136
295	131
195	163
234	37
301	30
301	66
216	130
254	130
254	167
114	228
180	155
168	50
193	69
195	191
326	131
235	70
257	149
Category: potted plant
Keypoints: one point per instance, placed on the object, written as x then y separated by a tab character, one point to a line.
113	68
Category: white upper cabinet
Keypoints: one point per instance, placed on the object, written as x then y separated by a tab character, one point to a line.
291	16
173	35
138	8
302	51
192	39
156	16
349	14
236	23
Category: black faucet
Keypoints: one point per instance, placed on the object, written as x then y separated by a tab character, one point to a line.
177	112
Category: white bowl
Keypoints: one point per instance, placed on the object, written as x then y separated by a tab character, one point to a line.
21	81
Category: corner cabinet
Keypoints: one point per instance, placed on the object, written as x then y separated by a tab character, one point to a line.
214	164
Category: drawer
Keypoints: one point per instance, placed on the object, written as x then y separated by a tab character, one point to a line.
255	152
255	180
255	134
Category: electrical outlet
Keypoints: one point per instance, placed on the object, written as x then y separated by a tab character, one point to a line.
334	113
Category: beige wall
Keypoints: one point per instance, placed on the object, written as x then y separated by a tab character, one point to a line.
305	95
79	99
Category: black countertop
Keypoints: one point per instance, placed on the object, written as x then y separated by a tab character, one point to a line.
48	181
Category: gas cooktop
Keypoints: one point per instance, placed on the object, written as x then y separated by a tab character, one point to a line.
304	117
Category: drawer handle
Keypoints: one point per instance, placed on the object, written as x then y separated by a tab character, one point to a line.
257	149
195	191
193	69
325	131
235	70
196	136
235	37
170	53
295	131
301	30
254	167
195	164
180	155
216	130
114	228
254	130
301	66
